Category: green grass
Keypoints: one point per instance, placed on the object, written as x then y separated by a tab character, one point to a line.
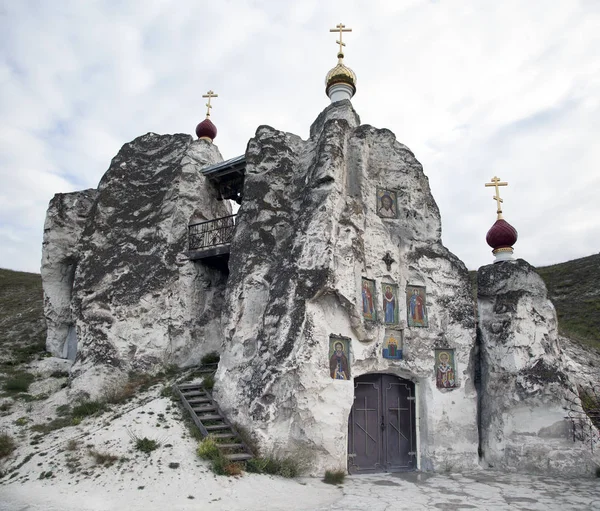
284	467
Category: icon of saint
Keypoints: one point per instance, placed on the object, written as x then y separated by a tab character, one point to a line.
338	363
445	372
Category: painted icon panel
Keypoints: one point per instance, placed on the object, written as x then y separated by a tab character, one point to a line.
387	203
392	344
368	299
445	369
339	355
390	303
416	307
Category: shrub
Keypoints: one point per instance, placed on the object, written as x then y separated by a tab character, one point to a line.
5	407
208	382
87	408
7	445
103	458
146	444
19	382
210	358
334	476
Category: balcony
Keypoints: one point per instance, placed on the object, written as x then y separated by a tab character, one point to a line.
210	240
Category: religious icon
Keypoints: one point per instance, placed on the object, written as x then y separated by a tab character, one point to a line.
368	299
415	306
445	369
387	203
390	303
392	344
339	351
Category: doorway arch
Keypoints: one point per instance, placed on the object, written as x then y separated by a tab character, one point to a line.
382	425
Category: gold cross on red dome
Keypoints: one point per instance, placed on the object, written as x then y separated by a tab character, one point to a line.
496	183
210	94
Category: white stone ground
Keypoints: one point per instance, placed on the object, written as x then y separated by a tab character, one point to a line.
146	482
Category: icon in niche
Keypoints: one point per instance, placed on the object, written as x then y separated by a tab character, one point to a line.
392	344
339	352
415	306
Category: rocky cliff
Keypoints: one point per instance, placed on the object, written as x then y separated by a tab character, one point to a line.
527	384
309	230
131	300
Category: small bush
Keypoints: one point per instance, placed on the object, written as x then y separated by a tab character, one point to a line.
146	444
208	382
210	358
87	408
72	445
63	410
103	458
334	476
19	382
7	445
5	407
208	449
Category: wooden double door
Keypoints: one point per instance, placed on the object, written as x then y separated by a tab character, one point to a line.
381	425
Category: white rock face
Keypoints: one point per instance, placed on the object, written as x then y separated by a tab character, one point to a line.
65	220
526	385
307	232
137	302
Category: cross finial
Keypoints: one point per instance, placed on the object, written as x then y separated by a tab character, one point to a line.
497	183
210	94
341	29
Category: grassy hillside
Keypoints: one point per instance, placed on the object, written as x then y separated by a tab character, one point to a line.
574	288
22	324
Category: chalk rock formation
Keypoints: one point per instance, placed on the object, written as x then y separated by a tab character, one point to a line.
526	389
65	220
307	232
137	302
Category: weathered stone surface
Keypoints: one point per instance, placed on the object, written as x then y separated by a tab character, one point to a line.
137	302
307	231
526	386
65	220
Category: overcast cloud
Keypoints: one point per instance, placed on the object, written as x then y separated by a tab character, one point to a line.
474	88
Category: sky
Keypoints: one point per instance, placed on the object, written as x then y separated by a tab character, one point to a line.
475	89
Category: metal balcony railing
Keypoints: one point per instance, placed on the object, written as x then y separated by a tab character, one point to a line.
211	233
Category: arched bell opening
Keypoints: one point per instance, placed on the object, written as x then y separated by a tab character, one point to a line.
382	425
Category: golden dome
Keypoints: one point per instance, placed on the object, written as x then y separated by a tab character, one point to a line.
340	74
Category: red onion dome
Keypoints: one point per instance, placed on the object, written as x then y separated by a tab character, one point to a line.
206	130
501	235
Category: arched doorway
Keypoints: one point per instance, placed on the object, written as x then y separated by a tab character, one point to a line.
381	425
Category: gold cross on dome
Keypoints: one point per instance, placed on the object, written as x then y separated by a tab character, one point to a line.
497	183
210	94
341	29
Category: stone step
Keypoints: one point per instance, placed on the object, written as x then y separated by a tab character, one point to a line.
242	456
223	436
217	427
209	416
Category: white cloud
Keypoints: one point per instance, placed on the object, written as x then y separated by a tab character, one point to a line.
475	89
